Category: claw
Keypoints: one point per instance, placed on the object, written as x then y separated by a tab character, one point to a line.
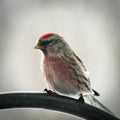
50	92
46	90
81	99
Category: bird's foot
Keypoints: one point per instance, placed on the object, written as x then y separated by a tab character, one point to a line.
81	99
49	92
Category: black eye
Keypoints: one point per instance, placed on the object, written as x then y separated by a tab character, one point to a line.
45	43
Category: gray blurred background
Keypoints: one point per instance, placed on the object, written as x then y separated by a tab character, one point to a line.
91	27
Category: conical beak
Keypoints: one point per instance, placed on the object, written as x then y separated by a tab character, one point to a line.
38	46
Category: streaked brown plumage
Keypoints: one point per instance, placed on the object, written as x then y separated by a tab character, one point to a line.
63	70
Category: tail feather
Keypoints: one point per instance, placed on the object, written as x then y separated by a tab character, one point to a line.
93	101
95	92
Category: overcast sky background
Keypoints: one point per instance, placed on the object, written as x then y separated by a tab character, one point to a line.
92	28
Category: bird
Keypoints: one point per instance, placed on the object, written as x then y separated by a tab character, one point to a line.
63	71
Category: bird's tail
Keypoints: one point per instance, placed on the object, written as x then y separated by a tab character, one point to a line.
93	101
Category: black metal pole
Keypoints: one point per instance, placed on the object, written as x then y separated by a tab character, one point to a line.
53	102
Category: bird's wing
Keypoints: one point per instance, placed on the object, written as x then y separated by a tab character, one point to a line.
86	73
79	61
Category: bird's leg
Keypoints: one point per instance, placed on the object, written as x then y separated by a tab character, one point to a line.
47	91
81	99
50	92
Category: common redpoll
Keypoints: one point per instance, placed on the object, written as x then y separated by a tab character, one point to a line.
63	70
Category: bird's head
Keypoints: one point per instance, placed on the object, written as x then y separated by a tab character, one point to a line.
52	44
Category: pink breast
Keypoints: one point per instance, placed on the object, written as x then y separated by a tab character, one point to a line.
58	66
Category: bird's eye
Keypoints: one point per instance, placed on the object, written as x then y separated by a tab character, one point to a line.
45	43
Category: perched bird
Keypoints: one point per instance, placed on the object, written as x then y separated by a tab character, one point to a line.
63	70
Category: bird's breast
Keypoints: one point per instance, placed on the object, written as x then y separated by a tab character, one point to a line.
56	67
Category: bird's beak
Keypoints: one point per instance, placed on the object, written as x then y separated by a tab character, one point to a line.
38	46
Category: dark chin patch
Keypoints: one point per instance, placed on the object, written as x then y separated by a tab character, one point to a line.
44	51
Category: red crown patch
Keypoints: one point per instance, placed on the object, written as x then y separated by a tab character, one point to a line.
46	35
